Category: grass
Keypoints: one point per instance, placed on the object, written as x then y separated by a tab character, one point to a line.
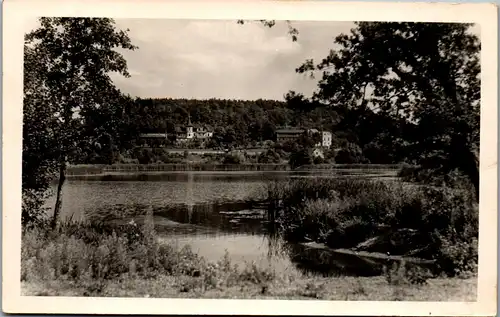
303	288
438	223
87	260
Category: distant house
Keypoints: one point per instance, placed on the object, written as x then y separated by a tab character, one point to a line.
153	139
191	132
290	134
326	139
203	132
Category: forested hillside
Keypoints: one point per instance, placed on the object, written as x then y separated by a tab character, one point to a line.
361	132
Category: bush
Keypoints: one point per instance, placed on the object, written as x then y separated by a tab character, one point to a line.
453	179
269	156
99	252
351	154
300	157
90	255
438	223
318	160
33	213
234	158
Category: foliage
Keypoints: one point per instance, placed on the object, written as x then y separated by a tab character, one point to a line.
241	124
234	158
453	179
269	156
39	157
301	157
71	105
33	213
351	154
425	76
292	32
437	223
402	273
91	255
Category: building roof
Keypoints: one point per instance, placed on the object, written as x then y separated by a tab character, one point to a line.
153	135
290	131
206	128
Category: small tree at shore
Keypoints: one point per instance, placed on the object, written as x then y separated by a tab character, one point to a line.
69	61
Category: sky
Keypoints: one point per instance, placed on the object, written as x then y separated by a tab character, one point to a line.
222	59
204	59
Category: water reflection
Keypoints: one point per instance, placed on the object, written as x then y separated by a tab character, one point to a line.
228	217
330	263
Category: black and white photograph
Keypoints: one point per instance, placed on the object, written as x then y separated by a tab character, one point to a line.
242	158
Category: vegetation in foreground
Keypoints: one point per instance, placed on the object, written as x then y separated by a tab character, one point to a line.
85	260
436	223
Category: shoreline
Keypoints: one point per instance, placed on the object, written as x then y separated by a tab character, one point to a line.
299	288
83	170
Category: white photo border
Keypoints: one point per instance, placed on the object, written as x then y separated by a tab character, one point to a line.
17	12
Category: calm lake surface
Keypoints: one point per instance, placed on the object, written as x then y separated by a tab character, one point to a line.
211	212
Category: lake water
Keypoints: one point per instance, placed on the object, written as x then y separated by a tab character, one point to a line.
211	211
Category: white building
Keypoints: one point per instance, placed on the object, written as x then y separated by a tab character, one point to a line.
191	132
326	138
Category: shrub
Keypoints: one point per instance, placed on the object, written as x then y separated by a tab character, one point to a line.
269	156
234	158
318	160
350	154
439	223
401	273
83	251
300	157
33	213
459	258
453	179
90	255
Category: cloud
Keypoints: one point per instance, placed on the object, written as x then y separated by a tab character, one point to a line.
221	59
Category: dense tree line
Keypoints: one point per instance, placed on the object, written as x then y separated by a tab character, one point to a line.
247	123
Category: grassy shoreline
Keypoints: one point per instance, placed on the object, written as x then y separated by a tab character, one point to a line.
301	288
128	261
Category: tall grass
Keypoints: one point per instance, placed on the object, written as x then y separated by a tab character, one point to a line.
90	256
437	223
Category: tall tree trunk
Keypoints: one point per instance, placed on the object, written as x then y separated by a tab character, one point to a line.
62	178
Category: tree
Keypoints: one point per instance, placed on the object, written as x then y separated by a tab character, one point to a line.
302	156
74	57
351	154
269	156
425	73
39	157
